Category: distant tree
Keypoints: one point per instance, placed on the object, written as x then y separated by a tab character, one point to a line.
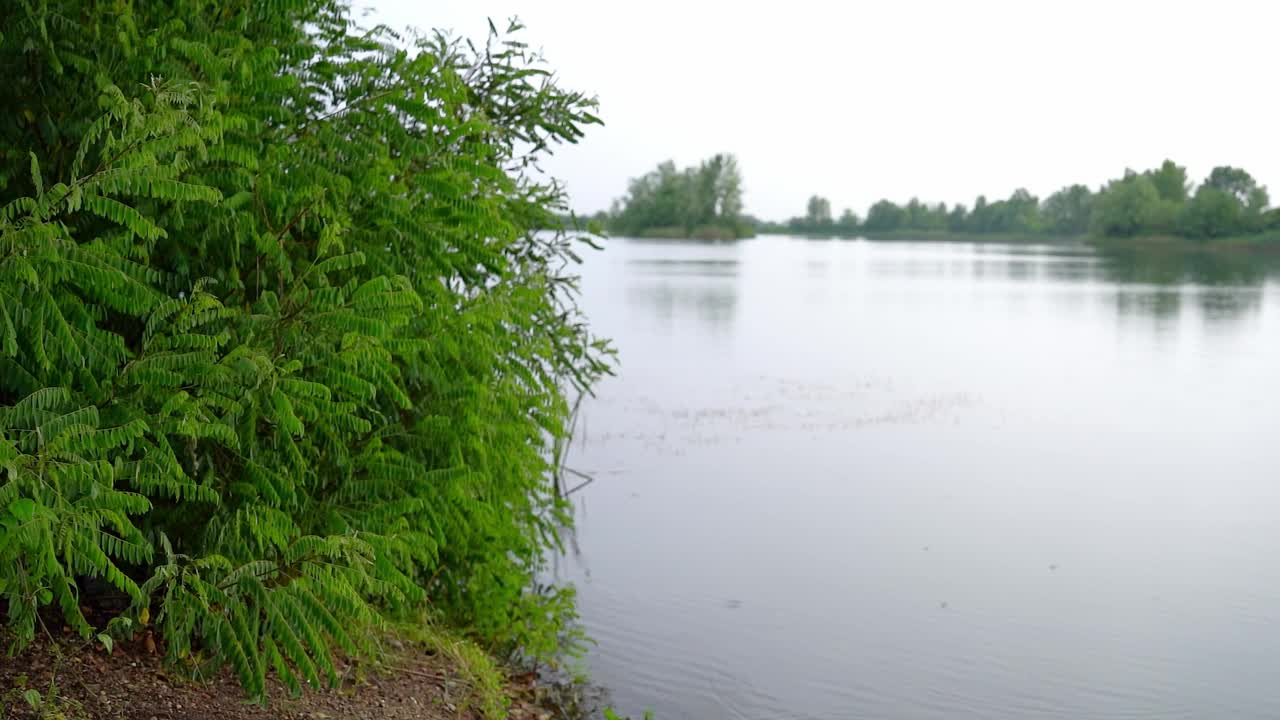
1259	200
1126	207
916	214
1255	209
1170	181
885	216
958	218
671	201
849	222
1067	211
979	217
1021	212
728	189
818	211
1229	202
1212	212
1235	181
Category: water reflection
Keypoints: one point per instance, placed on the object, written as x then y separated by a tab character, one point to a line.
1222	307
1169	267
676	243
963	261
1225	288
1161	304
696	267
1072	269
712	305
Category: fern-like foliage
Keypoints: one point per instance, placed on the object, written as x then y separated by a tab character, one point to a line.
282	349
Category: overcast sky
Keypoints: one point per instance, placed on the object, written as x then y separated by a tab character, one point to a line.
862	100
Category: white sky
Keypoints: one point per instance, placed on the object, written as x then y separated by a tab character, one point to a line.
863	100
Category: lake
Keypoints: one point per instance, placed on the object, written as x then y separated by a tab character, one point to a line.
846	479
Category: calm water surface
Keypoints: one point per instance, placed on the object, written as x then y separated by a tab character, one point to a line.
913	480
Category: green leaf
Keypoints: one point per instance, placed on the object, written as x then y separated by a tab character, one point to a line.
8	333
33	698
23	508
36	178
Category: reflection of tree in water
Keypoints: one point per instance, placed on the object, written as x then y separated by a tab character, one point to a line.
1219	305
1157	303
1071	269
714	303
1017	267
672	288
1225	286
1022	269
708	267
1172	267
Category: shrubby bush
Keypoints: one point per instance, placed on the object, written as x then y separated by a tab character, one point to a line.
281	357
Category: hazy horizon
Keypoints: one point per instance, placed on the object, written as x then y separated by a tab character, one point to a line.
895	100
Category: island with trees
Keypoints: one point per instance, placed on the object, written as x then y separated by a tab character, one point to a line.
702	202
1228	209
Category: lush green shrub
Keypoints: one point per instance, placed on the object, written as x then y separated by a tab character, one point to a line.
280	354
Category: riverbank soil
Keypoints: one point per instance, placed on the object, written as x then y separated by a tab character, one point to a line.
132	683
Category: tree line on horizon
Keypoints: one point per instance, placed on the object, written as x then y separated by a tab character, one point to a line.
1156	202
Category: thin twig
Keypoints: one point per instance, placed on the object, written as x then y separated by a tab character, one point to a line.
296	218
576	488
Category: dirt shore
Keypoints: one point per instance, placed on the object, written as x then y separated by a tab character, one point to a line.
132	683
